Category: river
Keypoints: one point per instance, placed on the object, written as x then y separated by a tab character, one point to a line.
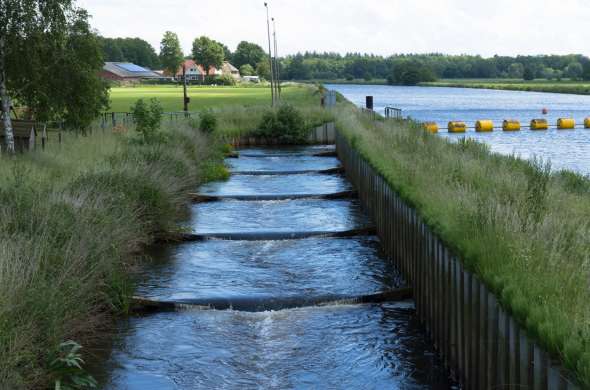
564	149
329	346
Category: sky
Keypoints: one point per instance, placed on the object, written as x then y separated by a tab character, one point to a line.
385	27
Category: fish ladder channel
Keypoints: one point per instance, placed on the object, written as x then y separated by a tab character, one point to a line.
281	291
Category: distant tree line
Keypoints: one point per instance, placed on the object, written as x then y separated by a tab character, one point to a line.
251	59
414	68
135	50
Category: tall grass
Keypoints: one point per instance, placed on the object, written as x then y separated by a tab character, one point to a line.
523	229
71	219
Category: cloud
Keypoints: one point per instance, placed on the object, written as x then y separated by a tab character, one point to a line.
505	27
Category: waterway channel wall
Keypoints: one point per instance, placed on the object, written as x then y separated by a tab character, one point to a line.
320	135
478	340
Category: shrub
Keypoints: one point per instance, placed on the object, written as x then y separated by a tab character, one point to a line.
147	118
208	122
285	124
225	79
247	70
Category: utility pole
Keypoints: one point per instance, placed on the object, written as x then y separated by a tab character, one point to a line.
272	87
277	64
186	98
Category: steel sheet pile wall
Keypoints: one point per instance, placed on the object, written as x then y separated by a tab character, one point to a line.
480	342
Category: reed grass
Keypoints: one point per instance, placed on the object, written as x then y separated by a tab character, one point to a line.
72	220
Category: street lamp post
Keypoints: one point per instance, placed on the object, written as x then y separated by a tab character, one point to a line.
277	65
272	87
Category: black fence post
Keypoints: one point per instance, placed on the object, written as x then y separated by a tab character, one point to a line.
369	103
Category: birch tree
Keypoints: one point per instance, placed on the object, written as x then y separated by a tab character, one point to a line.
49	62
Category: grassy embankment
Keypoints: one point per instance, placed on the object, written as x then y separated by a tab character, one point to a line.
522	229
564	86
75	218
238	109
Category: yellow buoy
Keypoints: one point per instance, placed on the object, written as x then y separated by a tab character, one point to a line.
587	123
457	127
511	125
539	124
484	126
566	123
431	127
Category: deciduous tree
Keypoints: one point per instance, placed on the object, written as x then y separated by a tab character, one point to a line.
574	70
248	53
170	52
247	70
135	50
49	62
207	53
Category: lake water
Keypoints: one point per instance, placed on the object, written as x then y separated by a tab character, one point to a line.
565	149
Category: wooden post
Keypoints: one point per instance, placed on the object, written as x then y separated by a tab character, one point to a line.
44	136
32	139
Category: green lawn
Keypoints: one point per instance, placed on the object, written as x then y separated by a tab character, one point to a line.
122	98
538	85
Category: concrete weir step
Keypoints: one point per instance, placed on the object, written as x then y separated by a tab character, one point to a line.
199	198
327	153
331	171
258	304
268	236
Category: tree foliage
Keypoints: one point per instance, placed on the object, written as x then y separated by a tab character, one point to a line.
135	50
170	53
263	69
247	70
248	53
51	61
410	72
208	53
574	70
330	66
528	74
148	118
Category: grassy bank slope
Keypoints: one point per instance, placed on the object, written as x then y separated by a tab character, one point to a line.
71	220
573	87
522	229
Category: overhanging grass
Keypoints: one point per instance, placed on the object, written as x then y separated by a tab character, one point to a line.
523	230
71	219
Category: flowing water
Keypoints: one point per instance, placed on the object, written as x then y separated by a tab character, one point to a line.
328	346
565	149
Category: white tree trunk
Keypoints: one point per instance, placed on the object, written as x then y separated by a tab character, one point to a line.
8	133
